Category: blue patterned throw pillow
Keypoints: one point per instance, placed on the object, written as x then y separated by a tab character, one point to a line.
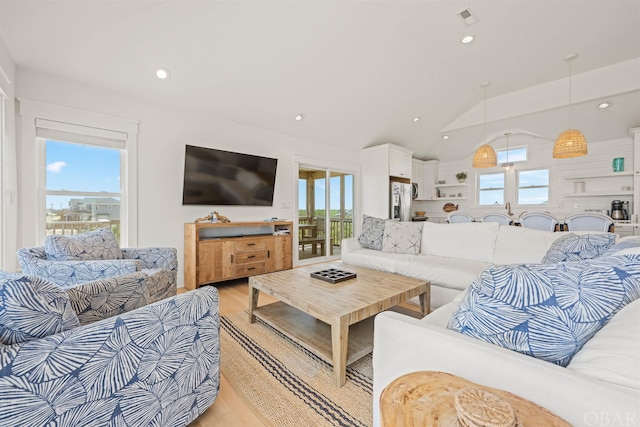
625	243
32	308
548	311
372	232
93	245
573	247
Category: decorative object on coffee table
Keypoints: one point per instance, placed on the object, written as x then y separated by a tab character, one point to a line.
333	275
431	398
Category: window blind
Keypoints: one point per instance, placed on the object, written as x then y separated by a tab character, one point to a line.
68	132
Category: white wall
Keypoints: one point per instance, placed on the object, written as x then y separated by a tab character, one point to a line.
163	133
8	162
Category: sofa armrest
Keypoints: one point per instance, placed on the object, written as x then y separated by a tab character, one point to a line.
157	363
154	257
403	344
104	298
349	245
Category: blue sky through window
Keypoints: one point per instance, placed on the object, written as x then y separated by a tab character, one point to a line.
334	197
77	167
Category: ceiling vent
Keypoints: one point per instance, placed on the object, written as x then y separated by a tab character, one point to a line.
468	17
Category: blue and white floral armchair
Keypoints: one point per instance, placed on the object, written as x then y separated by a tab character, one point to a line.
70	260
158	365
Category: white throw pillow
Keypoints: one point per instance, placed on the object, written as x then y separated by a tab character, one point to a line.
468	240
520	245
402	237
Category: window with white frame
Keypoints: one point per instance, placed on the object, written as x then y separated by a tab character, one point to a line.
514	154
84	176
491	189
533	187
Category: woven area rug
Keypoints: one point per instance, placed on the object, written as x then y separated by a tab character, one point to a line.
286	385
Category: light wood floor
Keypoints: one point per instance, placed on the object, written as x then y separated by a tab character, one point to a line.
228	410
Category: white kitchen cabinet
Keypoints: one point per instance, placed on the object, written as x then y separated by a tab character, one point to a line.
417	177
400	161
378	164
430	176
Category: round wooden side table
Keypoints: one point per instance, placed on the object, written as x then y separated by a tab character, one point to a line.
439	399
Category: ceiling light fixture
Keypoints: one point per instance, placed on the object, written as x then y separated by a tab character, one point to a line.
603	105
485	155
299	117
467	39
571	142
163	73
445	136
507	165
416	119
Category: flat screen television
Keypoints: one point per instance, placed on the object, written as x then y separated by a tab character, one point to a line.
217	177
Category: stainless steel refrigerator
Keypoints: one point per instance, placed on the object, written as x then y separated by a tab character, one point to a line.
400	201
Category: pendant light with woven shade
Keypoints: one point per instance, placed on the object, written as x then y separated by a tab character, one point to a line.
485	156
571	142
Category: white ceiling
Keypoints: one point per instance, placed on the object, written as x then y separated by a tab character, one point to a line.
359	71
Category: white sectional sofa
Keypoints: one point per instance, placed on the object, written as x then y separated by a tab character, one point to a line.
600	386
452	255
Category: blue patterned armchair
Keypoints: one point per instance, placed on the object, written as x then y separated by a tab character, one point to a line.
70	260
157	365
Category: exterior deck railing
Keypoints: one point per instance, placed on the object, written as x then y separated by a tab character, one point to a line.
339	229
77	227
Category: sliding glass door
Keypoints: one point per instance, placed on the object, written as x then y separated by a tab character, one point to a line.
325	211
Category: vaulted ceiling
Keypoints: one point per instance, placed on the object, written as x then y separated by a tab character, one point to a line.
359	71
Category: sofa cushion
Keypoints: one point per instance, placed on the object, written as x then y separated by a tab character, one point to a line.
573	247
32	308
402	237
548	311
448	276
372	232
94	245
521	245
612	354
471	240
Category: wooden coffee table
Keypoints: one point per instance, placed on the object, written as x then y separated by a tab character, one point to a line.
345	309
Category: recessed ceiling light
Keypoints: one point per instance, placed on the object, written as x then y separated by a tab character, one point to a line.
467	39
445	136
416	119
299	117
163	73
604	105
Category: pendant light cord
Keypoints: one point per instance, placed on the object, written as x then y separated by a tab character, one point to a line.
570	74
485	113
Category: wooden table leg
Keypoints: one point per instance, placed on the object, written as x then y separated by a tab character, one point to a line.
425	303
339	345
253	300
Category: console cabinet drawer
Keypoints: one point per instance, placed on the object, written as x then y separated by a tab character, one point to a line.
249	244
249	257
244	270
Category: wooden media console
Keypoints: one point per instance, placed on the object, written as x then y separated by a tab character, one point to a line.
216	251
